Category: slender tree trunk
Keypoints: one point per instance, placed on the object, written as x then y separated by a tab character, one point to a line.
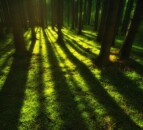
127	16
97	14
1	32
32	19
42	13
73	15
60	20
126	48
85	13
112	14
80	17
103	21
89	11
76	13
120	13
68	12
53	14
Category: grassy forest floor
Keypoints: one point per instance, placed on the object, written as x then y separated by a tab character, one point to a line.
59	87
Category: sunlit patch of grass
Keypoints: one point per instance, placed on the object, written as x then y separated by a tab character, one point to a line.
64	90
6	52
80	89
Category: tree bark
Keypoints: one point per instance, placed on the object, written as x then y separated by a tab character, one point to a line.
89	11
32	20
126	48
97	15
127	16
112	11
80	17
73	15
20	48
103	21
60	20
120	13
85	13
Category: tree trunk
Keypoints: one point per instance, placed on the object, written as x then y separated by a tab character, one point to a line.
126	48
89	11
103	21
76	13
97	15
112	14
80	17
120	13
85	13
20	48
60	20
53	17
32	19
127	16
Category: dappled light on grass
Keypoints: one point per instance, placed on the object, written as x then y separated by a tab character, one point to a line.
6	52
65	90
76	85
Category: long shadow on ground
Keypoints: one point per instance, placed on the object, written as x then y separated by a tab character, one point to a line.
126	87
65	97
101	95
12	93
41	120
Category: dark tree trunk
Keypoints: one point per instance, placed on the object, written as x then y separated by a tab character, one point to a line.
98	2
53	17
112	14
85	13
103	21
126	48
89	11
32	19
80	17
6	14
42	13
76	13
73	15
20	48
1	32
60	20
120	13
127	16
68	13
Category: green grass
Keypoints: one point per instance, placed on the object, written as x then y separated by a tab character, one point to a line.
59	87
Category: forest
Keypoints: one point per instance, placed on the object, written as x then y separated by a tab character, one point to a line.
71	64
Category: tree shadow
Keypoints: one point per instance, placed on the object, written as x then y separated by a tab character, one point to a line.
78	91
83	50
7	47
137	53
13	92
65	97
88	33
137	67
5	63
88	36
41	120
122	120
86	52
81	40
128	88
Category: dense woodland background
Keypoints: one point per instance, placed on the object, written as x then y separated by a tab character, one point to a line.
71	64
